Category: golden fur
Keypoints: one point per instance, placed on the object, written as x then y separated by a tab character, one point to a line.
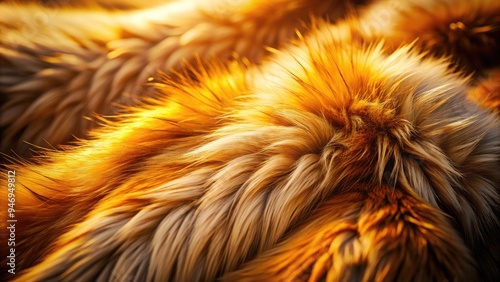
59	75
95	4
466	30
61	67
330	151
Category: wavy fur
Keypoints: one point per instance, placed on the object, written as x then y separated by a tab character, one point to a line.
229	169
61	67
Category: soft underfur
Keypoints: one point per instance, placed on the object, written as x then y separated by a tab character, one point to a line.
332	160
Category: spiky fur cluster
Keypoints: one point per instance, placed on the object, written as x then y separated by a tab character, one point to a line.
341	157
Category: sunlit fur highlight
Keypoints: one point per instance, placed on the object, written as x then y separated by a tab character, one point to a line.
234	164
62	66
95	4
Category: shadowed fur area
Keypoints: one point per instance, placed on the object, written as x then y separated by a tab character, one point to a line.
466	33
333	160
361	236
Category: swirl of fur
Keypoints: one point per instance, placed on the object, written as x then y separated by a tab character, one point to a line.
240	163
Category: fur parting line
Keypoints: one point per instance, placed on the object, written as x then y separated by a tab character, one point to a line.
330	161
61	67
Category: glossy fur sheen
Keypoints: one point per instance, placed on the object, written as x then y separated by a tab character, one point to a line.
62	67
333	160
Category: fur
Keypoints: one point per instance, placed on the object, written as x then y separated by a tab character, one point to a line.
226	173
487	91
362	236
95	4
465	32
53	91
59	72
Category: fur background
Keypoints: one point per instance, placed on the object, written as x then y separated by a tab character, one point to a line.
258	140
